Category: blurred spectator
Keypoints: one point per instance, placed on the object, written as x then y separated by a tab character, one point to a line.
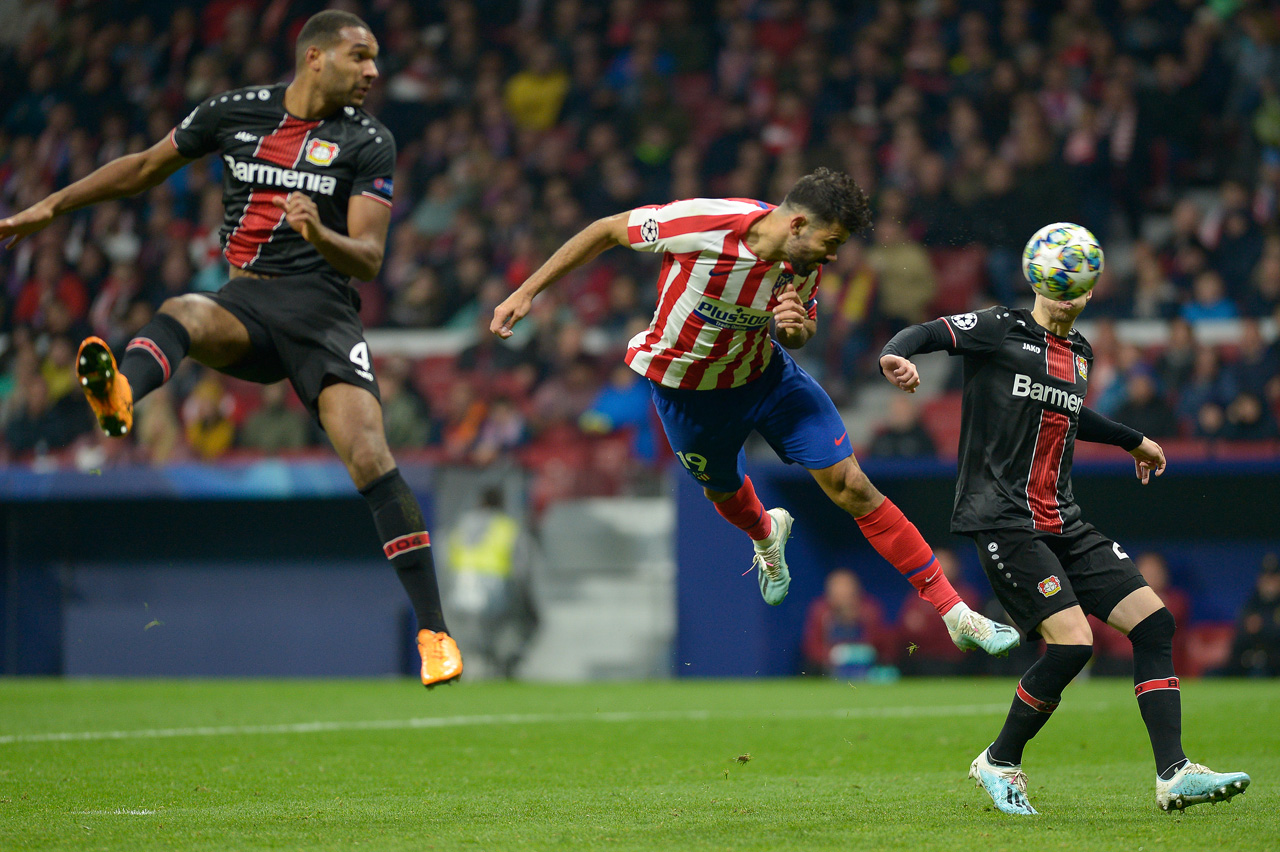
929	651
492	609
1176	362
502	432
1255	651
40	424
406	414
904	274
624	403
158	430
844	632
1209	300
902	435
275	427
1247	419
1144	409
206	417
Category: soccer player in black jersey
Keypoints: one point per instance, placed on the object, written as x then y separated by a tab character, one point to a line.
307	187
1025	378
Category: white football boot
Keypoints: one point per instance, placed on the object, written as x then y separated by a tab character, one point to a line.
971	630
771	559
1194	784
1006	785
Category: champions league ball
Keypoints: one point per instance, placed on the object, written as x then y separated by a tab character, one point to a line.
1062	261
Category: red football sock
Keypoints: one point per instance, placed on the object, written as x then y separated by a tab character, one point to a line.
897	540
745	511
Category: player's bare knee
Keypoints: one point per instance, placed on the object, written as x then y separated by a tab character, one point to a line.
368	457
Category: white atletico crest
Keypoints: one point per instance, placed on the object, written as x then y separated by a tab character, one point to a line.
321	153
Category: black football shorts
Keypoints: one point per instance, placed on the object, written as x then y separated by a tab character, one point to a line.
1035	574
304	328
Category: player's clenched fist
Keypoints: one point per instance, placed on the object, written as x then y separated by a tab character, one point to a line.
789	312
300	212
900	372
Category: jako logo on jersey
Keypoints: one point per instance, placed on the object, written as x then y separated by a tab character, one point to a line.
726	315
246	136
1023	386
964	321
1031	347
320	152
262	174
1082	367
1050	585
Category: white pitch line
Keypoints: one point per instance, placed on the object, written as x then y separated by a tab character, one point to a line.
513	719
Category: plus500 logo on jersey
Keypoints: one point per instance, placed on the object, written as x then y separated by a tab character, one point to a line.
1023	386
261	174
727	315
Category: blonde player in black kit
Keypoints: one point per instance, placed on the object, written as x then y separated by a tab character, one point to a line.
1026	374
307	188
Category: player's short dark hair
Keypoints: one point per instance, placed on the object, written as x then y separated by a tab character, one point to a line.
323	30
832	198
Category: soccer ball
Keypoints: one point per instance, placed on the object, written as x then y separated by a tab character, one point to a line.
1062	261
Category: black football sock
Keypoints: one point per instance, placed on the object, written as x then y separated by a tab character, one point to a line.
153	354
1037	697
1156	686
405	542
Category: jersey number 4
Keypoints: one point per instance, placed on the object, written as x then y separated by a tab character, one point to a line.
360	357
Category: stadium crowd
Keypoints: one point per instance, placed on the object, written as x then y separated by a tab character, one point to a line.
1156	123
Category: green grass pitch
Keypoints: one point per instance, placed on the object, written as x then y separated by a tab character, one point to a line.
695	765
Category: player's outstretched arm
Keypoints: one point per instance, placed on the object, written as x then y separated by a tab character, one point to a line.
127	175
582	247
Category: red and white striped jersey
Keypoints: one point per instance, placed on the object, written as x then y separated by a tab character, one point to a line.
715	298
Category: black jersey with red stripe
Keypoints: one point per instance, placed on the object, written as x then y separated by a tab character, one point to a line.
1024	388
267	152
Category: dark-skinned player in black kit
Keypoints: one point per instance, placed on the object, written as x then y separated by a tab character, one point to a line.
1026	373
307	189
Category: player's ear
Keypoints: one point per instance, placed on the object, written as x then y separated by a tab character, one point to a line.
798	223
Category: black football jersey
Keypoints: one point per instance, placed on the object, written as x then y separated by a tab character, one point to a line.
267	152
1024	389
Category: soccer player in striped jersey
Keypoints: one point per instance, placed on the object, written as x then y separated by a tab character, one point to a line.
731	268
1026	374
307	187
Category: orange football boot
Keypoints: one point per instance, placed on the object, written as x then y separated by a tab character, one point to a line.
105	387
441	659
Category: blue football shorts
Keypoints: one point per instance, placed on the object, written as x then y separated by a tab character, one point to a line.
708	428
